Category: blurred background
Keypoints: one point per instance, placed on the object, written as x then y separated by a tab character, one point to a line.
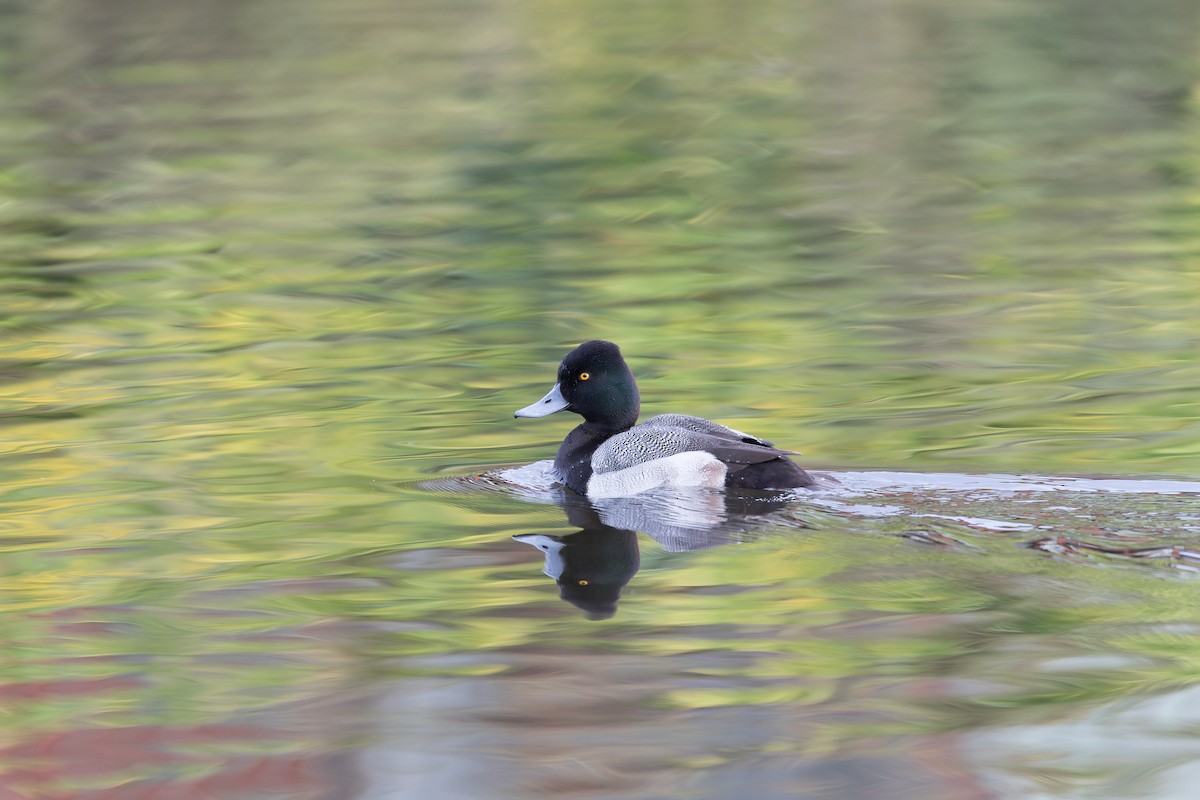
266	266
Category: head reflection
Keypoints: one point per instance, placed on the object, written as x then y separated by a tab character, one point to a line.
593	565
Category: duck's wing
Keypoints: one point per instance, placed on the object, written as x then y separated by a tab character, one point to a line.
702	425
646	442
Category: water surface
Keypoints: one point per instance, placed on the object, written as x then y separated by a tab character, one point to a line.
273	278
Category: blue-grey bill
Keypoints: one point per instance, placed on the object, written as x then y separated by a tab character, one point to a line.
552	402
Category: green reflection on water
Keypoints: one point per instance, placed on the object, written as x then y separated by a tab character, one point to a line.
263	265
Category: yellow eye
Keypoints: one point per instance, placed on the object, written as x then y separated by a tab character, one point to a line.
583	583
583	376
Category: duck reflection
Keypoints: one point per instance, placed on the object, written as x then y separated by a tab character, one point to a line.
593	565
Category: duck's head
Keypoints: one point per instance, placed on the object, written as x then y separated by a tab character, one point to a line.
595	382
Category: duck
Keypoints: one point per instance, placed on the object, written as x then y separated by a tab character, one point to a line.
610	455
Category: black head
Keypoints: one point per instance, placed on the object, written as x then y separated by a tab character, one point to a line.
595	382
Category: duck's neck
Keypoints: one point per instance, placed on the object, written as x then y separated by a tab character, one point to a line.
574	459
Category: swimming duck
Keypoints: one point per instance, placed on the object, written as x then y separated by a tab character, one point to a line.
609	455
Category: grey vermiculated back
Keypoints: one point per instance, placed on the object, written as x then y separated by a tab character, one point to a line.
702	425
670	434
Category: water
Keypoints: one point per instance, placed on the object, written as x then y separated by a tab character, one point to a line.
273	278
